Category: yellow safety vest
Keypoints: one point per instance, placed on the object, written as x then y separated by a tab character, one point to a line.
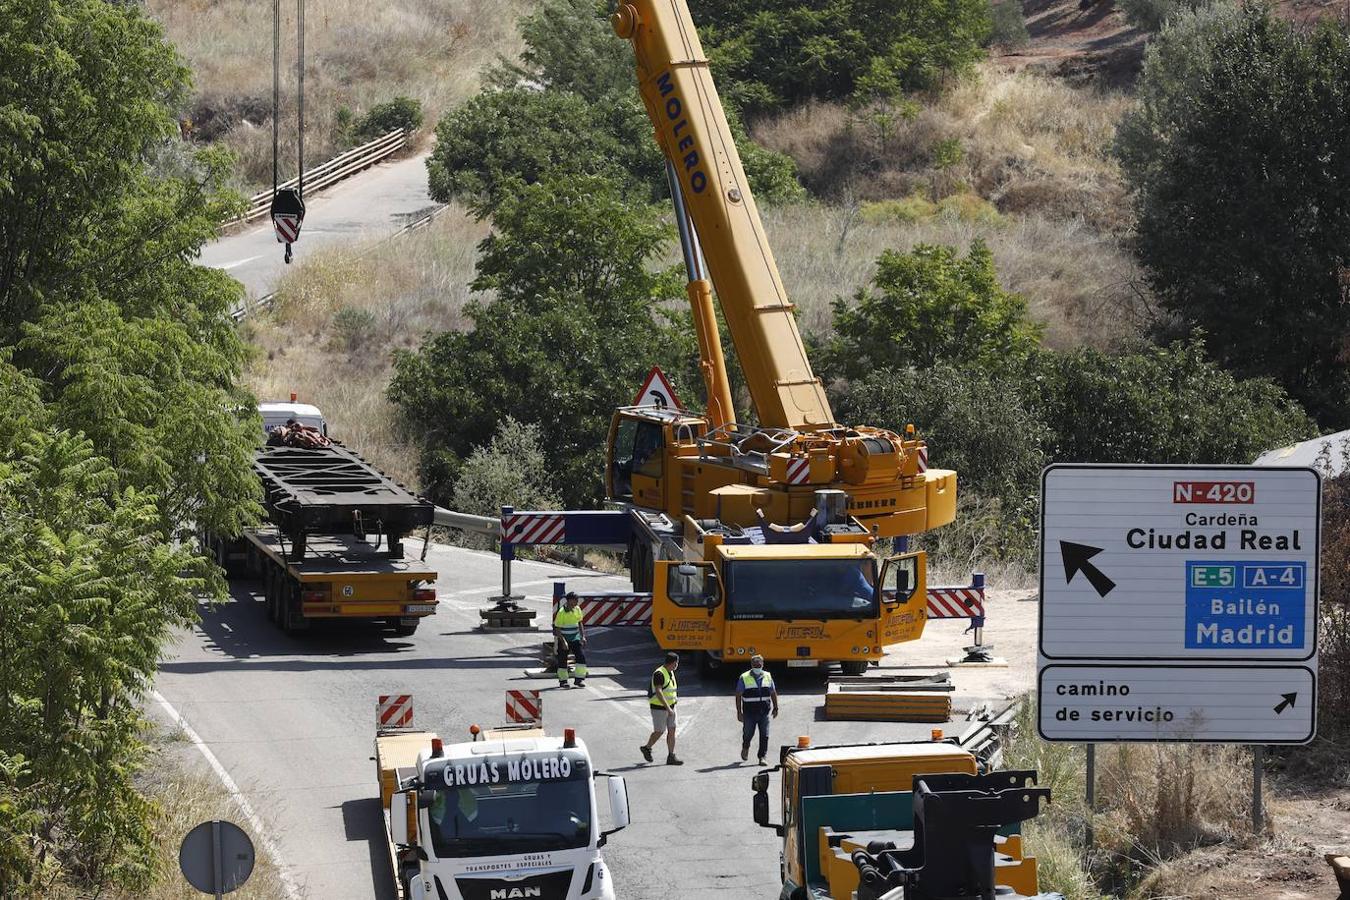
669	690
568	621
756	693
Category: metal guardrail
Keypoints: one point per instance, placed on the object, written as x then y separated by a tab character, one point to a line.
492	527
326	174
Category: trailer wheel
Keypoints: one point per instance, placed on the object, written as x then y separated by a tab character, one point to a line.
641	567
854	667
270	592
288	597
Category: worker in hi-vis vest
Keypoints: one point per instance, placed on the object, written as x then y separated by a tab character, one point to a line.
569	639
756	703
662	695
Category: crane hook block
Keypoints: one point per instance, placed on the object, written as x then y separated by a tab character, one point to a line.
288	212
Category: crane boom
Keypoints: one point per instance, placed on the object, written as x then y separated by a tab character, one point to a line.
691	127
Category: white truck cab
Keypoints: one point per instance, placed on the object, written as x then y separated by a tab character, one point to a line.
503	818
276	414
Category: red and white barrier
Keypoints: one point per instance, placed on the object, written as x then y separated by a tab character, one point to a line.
525	706
955	603
534	528
613	609
394	711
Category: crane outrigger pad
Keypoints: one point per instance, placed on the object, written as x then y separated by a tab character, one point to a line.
332	490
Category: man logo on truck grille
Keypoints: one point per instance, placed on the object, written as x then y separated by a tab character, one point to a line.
348	590
512	893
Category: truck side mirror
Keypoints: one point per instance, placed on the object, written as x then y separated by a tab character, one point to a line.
760	783
618	807
618	803
760	809
398	819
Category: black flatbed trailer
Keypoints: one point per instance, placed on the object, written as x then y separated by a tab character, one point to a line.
333	490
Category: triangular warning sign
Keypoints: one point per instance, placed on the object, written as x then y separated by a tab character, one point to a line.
656	391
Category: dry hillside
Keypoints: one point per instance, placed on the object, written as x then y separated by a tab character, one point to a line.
357	54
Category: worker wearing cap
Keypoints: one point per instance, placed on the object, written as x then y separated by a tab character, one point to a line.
569	638
756	703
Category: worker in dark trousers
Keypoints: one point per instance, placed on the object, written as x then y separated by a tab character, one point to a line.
569	638
756	703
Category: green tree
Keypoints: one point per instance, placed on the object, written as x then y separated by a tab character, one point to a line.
577	319
976	420
100	223
929	306
88	594
1239	153
772	55
1159	405
570	107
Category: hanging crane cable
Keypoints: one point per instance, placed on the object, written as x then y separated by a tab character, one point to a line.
288	204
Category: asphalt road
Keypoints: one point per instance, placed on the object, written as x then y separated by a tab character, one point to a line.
292	721
376	202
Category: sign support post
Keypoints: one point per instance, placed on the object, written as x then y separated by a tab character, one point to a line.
1258	811
1091	792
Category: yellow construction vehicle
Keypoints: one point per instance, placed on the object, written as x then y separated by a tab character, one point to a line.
756	538
914	820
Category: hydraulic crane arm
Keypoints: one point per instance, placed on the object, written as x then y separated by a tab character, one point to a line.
691	127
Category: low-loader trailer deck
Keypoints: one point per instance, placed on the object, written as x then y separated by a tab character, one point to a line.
332	546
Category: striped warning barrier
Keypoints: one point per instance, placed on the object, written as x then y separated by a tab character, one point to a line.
525	706
955	603
611	610
394	711
923	457
799	470
534	528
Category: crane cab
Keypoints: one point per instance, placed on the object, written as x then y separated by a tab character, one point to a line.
644	442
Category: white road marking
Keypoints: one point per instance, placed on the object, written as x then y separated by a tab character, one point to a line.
237	263
264	836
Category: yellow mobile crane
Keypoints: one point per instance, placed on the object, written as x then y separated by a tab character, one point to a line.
756	538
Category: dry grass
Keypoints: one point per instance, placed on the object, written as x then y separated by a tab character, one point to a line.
185	800
339	317
357	54
1027	143
1155	803
1076	281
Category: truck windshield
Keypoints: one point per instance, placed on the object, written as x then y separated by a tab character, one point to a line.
801	589
512	817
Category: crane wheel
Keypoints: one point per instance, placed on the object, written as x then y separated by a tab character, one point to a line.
854	667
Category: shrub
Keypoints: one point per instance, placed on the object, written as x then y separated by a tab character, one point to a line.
1159	405
1152	15
1334	669
509	470
927	306
382	118
775	56
1238	152
1008	26
352	328
907	211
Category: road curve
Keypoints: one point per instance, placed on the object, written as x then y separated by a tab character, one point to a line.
373	203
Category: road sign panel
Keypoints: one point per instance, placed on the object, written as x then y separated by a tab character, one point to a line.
216	857
656	390
1179	563
1264	704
